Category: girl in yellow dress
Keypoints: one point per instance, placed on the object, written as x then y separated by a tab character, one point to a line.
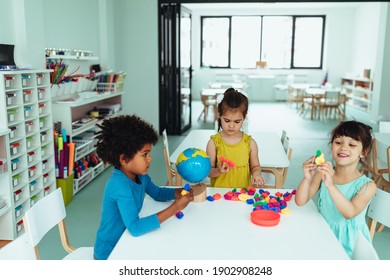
233	153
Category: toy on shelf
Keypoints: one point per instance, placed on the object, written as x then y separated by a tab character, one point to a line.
193	165
320	157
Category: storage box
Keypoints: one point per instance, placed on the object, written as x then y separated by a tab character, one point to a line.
66	186
109	87
33	185
11	98
27	95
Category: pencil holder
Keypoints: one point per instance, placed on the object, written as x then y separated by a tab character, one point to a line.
66	186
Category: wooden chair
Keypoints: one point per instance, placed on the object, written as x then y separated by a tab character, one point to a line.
331	103
48	212
269	174
382	173
363	250
208	101
171	173
379	211
18	249
374	165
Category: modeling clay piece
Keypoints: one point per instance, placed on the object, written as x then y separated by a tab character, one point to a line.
210	198
320	158
186	189
179	215
230	163
217	196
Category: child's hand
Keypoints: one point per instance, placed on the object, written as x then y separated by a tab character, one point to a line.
178	192
257	181
223	167
309	168
181	202
327	173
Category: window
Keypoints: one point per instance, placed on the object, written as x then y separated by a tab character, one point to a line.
288	42
215	42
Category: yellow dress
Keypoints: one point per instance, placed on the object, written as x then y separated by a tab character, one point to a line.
239	153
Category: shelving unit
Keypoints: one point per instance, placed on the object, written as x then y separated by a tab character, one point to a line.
82	63
25	105
70	115
359	92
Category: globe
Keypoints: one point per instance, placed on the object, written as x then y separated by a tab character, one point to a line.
193	165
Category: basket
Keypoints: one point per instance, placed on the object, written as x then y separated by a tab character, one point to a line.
109	87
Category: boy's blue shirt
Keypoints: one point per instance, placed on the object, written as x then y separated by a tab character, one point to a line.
122	202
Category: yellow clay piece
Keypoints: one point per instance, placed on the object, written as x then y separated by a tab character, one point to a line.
320	159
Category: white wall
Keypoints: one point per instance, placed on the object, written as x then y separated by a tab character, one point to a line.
136	52
72	24
7	36
381	101
365	37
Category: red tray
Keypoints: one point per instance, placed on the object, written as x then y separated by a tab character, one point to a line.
265	218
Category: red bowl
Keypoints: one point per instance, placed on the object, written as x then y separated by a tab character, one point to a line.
265	218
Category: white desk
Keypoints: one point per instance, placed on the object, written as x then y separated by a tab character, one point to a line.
271	151
222	230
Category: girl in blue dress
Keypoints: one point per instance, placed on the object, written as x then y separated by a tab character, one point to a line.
344	193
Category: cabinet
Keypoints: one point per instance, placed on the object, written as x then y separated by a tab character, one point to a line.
25	107
75	118
358	92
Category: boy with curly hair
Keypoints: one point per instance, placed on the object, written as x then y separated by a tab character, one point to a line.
126	143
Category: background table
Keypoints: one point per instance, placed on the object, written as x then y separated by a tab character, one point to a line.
222	230
271	151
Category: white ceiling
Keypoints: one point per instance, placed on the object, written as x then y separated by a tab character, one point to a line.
271	5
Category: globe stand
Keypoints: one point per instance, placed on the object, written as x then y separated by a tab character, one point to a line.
199	191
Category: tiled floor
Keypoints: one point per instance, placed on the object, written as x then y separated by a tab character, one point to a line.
306	136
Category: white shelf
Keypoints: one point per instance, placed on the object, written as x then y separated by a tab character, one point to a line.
25	104
72	57
70	112
85	101
359	92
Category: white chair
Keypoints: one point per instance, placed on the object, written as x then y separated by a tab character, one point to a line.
45	215
170	170
379	211
18	249
269	174
363	250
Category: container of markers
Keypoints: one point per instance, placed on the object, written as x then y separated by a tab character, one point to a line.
66	186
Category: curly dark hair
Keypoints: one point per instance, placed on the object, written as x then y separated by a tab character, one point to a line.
123	135
232	100
356	130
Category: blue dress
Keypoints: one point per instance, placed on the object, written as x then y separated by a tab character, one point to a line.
344	229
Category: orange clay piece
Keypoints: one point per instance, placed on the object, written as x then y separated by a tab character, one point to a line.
230	163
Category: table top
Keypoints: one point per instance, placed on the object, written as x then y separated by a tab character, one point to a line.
383	137
213	91
271	151
383	142
222	230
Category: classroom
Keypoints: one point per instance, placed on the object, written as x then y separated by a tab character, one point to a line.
167	62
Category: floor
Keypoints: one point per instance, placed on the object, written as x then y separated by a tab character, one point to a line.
306	136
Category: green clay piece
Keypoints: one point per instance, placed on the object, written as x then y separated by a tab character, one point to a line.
318	153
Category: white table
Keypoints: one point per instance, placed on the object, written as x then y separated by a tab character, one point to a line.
271	152
222	230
